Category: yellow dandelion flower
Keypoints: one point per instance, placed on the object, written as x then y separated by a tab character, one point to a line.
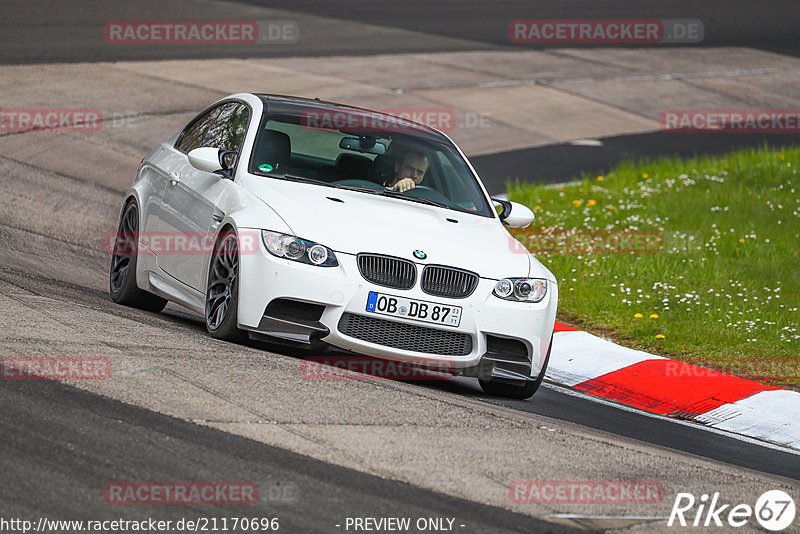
537	208
576	203
591	203
654	316
660	336
645	175
600	178
611	207
741	240
638	315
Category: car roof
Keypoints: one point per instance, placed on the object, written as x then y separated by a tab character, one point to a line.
293	105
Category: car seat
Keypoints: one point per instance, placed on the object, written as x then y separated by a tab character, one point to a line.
274	148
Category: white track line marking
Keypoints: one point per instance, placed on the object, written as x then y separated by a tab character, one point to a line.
740	437
632	517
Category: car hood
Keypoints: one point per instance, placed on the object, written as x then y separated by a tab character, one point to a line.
353	222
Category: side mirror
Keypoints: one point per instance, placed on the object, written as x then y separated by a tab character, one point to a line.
210	159
513	214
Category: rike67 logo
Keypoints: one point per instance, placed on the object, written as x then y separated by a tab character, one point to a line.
774	510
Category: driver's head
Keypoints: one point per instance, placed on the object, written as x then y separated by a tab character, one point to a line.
413	165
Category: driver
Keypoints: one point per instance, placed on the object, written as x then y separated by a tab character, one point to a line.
409	171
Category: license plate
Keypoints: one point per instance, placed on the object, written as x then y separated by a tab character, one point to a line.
419	310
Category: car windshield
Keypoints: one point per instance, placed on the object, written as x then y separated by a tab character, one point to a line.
368	153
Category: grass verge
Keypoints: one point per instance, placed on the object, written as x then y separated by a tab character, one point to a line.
697	260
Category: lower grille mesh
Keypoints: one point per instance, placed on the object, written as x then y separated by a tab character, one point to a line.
405	336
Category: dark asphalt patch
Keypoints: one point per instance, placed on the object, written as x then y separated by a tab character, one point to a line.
62	445
565	161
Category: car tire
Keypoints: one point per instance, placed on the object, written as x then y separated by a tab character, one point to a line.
122	274
509	391
222	290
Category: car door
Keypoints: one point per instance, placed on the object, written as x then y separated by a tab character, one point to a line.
161	169
189	200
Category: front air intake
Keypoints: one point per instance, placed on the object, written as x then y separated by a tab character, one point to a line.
387	271
448	281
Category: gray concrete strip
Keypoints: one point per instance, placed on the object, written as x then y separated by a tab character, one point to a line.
525	64
544	111
698	61
228	76
649	98
71	155
499	100
96	85
393	71
770	90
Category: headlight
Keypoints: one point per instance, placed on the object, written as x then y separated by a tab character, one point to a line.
521	289
294	248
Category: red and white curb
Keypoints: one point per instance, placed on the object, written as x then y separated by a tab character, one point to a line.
658	385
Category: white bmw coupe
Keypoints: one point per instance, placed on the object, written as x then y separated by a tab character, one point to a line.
302	221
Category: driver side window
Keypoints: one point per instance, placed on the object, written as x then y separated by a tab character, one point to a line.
227	131
223	127
194	136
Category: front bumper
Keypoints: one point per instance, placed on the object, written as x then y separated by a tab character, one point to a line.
341	295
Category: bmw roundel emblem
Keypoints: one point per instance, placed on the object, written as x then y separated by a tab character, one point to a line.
420	255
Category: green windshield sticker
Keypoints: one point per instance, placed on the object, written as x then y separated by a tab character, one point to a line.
266	167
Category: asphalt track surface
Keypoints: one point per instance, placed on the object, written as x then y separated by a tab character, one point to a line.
50	31
557	402
60	444
566	161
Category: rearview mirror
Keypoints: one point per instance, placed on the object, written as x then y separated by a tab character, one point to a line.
513	214
210	159
365	143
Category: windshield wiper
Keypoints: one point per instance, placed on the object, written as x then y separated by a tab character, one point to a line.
398	194
356	188
305	179
381	192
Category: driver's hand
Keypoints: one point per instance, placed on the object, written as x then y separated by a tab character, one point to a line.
404	185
